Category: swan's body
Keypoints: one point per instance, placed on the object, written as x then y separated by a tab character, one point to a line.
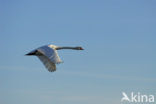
49	56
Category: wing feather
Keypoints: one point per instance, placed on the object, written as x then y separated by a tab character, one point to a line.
50	53
47	63
49	57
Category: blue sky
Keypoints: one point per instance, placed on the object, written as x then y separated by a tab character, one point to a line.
119	41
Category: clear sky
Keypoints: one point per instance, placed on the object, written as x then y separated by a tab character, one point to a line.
119	38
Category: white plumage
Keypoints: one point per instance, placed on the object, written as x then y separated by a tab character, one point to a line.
49	56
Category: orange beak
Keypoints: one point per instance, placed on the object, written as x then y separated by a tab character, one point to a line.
81	48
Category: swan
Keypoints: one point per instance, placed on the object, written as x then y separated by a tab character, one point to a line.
48	55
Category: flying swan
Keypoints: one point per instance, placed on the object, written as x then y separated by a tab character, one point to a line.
48	55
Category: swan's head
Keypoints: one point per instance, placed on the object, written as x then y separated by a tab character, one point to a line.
79	48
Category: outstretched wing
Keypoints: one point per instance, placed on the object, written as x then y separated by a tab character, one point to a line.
50	53
48	57
47	63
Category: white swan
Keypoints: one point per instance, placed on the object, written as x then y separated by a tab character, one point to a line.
49	56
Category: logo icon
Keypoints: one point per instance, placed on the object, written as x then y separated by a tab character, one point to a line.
125	97
137	98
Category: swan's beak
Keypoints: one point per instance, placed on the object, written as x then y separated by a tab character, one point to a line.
81	48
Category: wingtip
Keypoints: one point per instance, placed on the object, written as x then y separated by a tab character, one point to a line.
26	55
30	54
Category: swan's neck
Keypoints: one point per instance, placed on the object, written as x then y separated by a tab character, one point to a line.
58	48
